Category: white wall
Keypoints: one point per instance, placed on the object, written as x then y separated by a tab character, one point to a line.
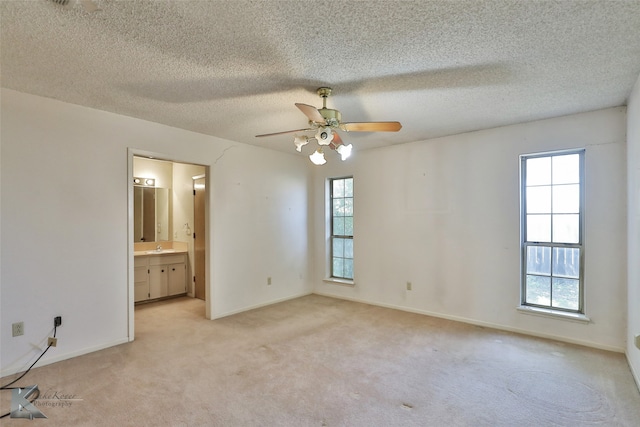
64	220
444	214
261	228
633	220
159	170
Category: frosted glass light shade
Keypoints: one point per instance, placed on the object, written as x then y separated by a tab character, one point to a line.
344	151
300	141
317	158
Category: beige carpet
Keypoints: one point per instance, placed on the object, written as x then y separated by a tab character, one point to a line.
317	361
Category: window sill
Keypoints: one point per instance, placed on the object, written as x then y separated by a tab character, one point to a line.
343	282
546	312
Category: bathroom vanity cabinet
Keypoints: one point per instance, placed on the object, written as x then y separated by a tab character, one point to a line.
159	275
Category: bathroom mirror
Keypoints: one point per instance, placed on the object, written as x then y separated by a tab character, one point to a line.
150	214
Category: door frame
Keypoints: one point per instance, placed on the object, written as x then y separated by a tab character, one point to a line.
195	256
134	152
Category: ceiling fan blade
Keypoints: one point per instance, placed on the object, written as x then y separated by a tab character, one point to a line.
371	126
312	113
282	133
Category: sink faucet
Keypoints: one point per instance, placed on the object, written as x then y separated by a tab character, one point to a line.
159	248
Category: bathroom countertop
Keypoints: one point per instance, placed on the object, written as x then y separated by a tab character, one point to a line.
162	252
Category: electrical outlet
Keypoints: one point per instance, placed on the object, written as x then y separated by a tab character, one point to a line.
268	280
52	341
408	286
17	329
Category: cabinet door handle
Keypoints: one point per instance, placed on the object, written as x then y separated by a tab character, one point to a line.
173	269
162	271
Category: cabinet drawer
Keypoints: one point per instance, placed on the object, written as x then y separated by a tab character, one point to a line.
140	261
166	259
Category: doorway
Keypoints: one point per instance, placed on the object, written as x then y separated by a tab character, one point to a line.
176	230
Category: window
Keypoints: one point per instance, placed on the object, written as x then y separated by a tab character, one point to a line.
552	200
341	196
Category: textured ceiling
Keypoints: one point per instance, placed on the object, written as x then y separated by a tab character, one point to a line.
234	69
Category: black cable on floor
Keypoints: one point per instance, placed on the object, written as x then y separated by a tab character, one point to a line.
6	386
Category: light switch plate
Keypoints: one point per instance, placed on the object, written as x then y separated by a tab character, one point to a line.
638	341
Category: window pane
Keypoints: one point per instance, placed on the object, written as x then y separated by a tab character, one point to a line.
566	293
538	290
348	187
539	260
338	248
348	248
338	226
538	171
539	199
566	228
539	228
348	226
348	269
338	188
338	207
566	262
348	207
566	169
338	267
566	198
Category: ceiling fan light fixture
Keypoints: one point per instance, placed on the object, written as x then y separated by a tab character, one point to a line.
300	141
344	151
325	122
317	158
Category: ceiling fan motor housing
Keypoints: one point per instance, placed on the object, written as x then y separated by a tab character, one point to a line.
332	117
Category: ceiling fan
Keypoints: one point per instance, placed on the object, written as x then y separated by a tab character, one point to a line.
325	121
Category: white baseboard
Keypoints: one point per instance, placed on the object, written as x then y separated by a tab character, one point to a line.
635	374
264	304
60	357
480	323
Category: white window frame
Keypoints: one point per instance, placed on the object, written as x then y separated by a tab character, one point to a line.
550	309
332	277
